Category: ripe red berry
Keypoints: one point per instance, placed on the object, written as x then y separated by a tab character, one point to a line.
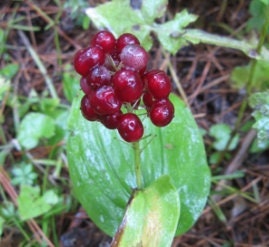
126	39
85	87
87	109
158	84
128	85
111	121
98	77
134	56
104	39
104	101
86	59
161	113
148	99
130	127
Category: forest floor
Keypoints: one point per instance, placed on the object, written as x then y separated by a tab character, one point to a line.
236	216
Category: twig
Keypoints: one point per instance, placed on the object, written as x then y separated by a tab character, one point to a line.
176	80
39	64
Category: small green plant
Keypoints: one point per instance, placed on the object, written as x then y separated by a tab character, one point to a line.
144	184
260	104
115	181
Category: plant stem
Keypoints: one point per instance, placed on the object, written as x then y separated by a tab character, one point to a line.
137	164
196	36
249	87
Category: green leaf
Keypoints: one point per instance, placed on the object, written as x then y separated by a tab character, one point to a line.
152	215
31	204
112	15
222	134
9	70
33	127
101	166
240	75
259	12
4	87
23	174
152	9
169	32
70	84
2	221
266	2
119	17
260	103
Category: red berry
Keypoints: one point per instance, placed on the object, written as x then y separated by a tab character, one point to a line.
161	113
85	87
134	56
104	101
104	39
111	121
98	77
158	84
87	109
130	127
87	58
128	85
148	99
126	39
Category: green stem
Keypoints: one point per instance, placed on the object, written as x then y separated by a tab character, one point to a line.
137	164
197	36
249	86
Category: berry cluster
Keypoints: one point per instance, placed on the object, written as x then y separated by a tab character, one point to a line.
115	82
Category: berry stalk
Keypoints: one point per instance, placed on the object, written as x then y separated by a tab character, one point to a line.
137	165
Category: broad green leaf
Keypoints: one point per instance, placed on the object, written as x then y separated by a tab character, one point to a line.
112	15
169	32
31	204
101	166
152	9
33	127
152	215
222	134
119	17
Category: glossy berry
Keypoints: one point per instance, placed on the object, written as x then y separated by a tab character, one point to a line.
126	39
104	101
158	84
135	57
111	121
85	87
148	99
161	113
128	85
98	77
104	39
130	127
87	109
87	58
114	80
